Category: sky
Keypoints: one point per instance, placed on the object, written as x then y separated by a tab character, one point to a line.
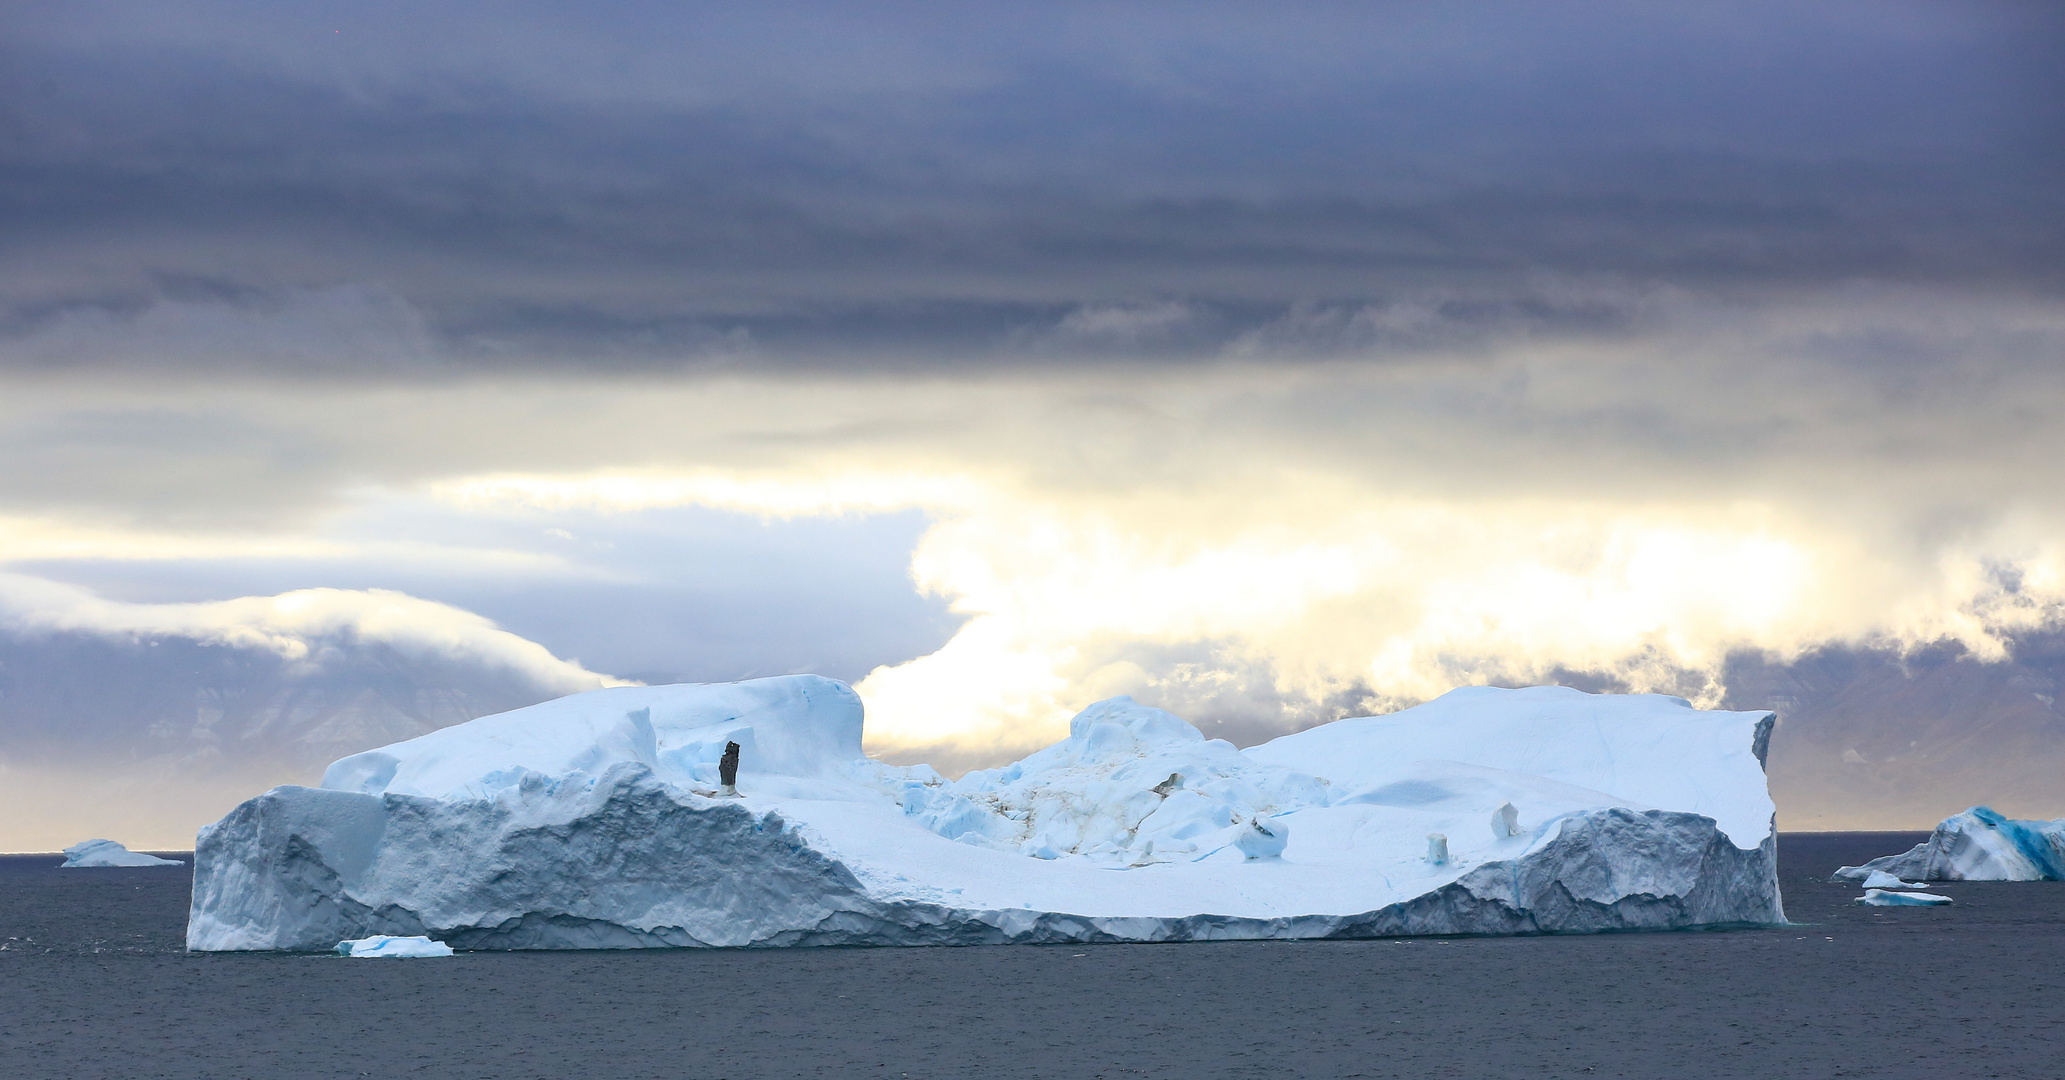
367	366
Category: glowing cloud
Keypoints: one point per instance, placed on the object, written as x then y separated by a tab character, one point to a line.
1275	545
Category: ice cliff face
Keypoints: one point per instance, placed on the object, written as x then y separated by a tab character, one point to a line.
593	822
1978	845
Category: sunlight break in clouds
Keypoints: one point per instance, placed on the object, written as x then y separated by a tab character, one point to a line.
1259	546
1281	545
1388	601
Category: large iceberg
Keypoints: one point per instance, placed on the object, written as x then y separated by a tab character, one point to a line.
598	821
1977	845
104	853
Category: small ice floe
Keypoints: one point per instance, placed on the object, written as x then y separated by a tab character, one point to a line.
402	947
1884	898
1879	879
97	853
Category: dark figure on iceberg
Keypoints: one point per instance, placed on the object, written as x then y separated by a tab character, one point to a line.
728	769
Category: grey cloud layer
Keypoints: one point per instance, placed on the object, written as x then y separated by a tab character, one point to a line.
1928	409
646	187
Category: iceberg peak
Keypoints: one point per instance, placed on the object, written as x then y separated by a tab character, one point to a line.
1120	725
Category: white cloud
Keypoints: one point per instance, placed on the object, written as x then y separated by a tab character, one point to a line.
792	494
1879	467
303	626
1406	600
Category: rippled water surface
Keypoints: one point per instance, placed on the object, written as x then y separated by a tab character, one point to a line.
94	982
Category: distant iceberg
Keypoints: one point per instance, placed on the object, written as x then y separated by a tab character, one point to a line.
597	821
1977	845
100	853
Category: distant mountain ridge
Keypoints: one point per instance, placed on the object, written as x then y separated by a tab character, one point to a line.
1870	739
173	699
144	737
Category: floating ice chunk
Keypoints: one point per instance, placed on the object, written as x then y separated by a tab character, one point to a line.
400	947
1978	845
1437	848
1263	840
1883	898
1879	879
99	853
1505	821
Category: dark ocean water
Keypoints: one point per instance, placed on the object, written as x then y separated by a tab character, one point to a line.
94	982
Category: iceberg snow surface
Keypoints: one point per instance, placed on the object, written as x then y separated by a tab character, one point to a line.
1977	845
594	821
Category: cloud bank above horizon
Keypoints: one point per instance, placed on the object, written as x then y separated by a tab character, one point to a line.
1269	366
1271	547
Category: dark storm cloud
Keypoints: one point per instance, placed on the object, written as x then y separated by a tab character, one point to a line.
633	186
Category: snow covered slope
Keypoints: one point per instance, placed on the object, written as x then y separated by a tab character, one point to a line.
594	822
1978	845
